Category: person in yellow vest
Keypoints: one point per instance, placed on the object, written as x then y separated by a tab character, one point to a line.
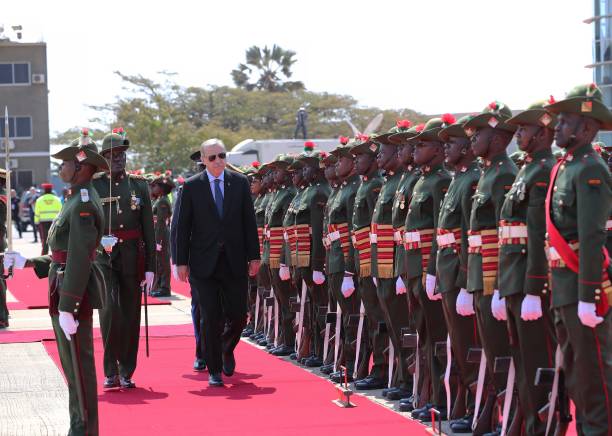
46	208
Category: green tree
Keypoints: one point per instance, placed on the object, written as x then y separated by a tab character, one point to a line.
267	69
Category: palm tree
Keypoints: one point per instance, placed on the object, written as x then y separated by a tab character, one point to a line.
267	69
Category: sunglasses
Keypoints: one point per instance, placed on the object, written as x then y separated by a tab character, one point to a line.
212	157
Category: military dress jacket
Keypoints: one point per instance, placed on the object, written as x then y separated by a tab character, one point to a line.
335	190
422	219
289	253
342	252
365	202
162	212
483	253
453	226
309	226
260	205
275	212
382	232
403	195
580	206
74	238
128	202
523	267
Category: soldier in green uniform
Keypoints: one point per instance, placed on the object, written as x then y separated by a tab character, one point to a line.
394	306
523	269
161	186
310	252
421	252
490	135
452	239
4	201
129	216
365	150
578	205
283	289
341	264
76	284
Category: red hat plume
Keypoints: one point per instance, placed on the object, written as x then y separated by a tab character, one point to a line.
403	124
448	119
255	164
344	140
420	127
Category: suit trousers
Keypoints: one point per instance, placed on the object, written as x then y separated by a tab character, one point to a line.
379	338
198	326
120	322
587	362
87	367
395	310
223	308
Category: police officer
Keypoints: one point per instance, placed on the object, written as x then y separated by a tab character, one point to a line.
46	208
129	215
76	283
161	186
578	205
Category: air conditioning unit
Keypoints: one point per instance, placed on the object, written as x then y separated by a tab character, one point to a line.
38	78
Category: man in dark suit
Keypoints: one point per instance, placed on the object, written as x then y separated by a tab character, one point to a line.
216	244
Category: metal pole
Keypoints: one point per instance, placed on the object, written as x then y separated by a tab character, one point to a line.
9	216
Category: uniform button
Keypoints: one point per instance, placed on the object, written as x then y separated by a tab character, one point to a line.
120	240
523	251
546	285
118	196
598	291
544	291
116	184
120	226
119	211
77	303
76	310
597	297
560	202
555	189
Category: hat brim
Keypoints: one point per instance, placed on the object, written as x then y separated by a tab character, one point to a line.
342	151
364	148
383	138
196	156
482	120
533	117
402	138
598	111
455	130
115	148
92	158
429	135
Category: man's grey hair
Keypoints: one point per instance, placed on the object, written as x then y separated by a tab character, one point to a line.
211	142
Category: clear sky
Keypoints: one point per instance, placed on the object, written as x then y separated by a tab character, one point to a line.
433	56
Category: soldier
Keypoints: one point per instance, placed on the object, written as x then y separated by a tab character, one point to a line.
394	306
452	239
161	186
365	150
76	284
283	289
523	270
129	216
578	205
309	248
342	258
46	208
4	312
421	252
490	135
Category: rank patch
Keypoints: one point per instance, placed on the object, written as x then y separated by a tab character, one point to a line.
594	182
545	119
493	122
586	106
81	156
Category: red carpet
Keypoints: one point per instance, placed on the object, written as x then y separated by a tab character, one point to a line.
31	292
267	396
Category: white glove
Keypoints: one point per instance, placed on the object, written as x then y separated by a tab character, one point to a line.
318	277
588	315
284	273
14	259
531	308
348	286
68	323
430	288
149	277
498	307
375	281
465	303
400	287
174	272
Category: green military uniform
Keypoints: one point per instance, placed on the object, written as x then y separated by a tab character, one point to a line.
4	201
421	251
496	180
452	259
127	203
580	204
523	270
162	213
341	259
263	275
76	283
310	252
365	201
283	289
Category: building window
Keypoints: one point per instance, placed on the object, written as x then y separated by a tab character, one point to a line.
19	127
15	74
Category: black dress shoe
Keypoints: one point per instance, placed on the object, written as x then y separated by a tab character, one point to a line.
338	377
293	356
159	293
369	383
127	383
461	426
199	365
111	382
283	350
407	406
425	416
313	362
327	369
262	342
215	380
247	332
229	363
417	412
270	345
385	391
398	394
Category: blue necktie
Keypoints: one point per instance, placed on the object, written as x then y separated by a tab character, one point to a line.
218	197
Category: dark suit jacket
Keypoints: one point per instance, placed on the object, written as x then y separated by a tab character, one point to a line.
200	232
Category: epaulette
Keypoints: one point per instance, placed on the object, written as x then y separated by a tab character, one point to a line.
98	175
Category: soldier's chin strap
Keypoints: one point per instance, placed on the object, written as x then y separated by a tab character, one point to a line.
77	169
